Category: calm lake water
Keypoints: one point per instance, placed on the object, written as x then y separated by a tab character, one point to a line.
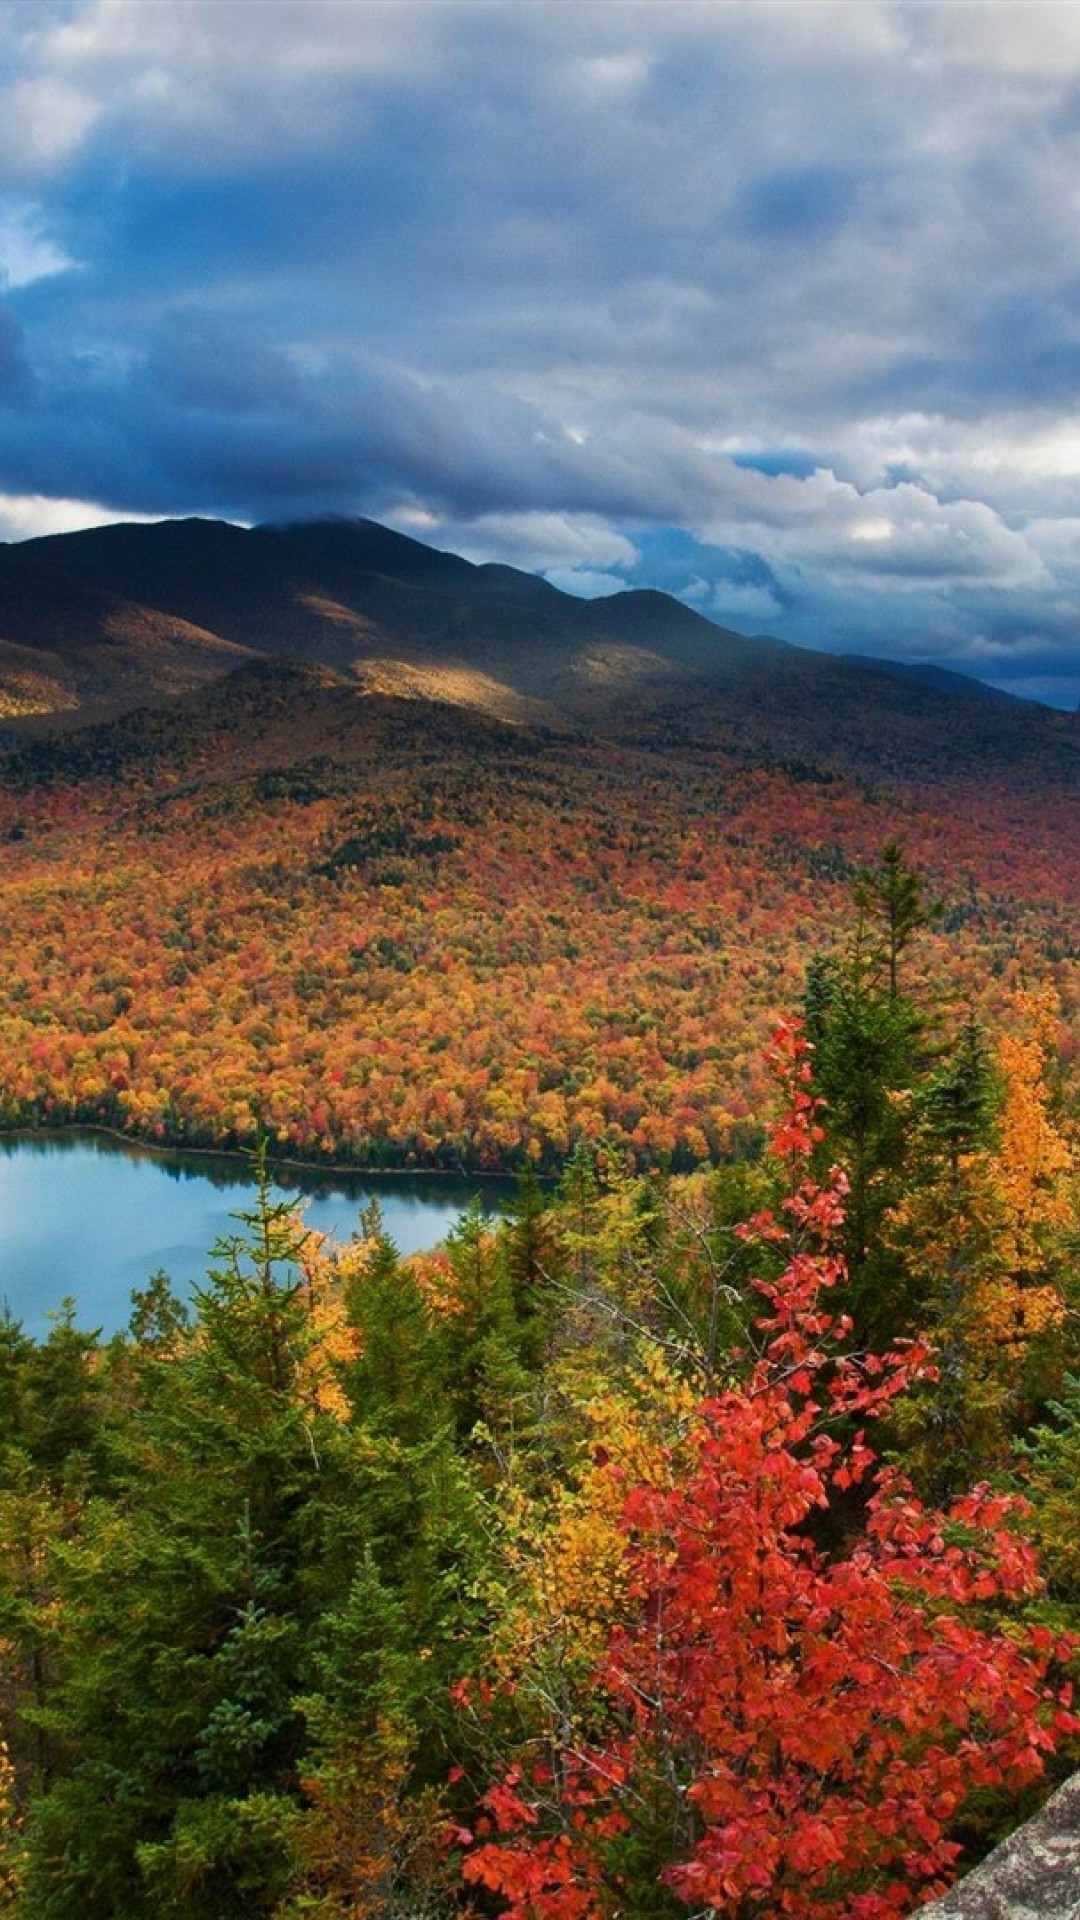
91	1217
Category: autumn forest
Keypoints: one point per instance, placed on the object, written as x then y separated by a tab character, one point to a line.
700	1539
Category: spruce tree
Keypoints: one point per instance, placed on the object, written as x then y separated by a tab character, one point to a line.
185	1609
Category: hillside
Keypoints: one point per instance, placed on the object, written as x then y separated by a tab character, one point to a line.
95	623
402	863
401	931
381	609
414	862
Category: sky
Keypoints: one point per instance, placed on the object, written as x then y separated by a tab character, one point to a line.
772	304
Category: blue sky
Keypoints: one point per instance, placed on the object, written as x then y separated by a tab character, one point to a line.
775	306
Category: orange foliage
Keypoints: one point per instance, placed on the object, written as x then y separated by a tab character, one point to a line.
1033	1158
333	1342
436	957
364	1845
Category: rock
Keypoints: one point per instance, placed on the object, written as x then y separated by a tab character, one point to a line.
1034	1875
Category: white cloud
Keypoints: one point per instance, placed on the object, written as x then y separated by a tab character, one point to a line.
31	516
586	584
538	542
902	535
1032	38
296	39
26	252
43	120
234	76
746	607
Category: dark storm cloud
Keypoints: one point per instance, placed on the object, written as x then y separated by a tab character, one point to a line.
776	306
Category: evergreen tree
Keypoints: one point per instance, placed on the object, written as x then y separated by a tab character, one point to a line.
185	1610
63	1404
395	1383
877	1062
482	1335
891	902
945	1235
528	1251
869	1051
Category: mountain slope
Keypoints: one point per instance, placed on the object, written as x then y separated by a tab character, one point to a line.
408	860
354	596
99	622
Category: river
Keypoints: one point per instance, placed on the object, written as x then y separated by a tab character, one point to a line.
86	1216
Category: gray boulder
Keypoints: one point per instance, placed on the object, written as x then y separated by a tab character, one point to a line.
1034	1875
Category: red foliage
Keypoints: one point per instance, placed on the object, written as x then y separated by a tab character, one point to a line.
802	1722
408	945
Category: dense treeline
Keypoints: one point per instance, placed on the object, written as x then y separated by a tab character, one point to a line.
659	1550
390	940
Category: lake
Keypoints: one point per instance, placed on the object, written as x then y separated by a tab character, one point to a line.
84	1215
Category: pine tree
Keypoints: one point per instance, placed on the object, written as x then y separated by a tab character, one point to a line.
890	899
184	1608
875	1058
868	1048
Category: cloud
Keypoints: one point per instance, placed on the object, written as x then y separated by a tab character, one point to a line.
1006	38
900	534
736	604
43	122
796	286
26	252
585	583
537	542
33	516
799	205
230	78
12	361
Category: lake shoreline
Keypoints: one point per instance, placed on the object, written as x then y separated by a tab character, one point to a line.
89	1215
89	1129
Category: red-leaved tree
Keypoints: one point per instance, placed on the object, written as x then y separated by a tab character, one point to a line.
787	1727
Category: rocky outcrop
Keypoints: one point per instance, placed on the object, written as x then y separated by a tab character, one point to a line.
1034	1875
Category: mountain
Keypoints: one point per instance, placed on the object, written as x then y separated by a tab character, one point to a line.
412	861
118	614
95	623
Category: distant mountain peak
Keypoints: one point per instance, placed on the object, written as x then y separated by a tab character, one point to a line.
98	622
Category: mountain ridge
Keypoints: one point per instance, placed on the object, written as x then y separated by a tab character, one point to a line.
100	622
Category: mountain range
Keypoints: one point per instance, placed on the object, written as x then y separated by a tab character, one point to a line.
95	623
425	863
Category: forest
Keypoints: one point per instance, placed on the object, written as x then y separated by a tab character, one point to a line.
695	1541
389	933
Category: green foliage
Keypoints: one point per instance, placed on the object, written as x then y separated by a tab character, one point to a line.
58	1418
869	1049
892	909
187	1599
394	1384
254	1557
961	1102
1050	1462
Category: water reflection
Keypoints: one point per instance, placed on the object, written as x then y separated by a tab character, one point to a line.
90	1217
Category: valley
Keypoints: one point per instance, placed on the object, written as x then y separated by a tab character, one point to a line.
388	929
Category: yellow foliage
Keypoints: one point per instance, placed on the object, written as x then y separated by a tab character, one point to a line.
571	1574
365	1847
435	1278
333	1343
1033	1159
10	1836
982	1240
1009	1317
